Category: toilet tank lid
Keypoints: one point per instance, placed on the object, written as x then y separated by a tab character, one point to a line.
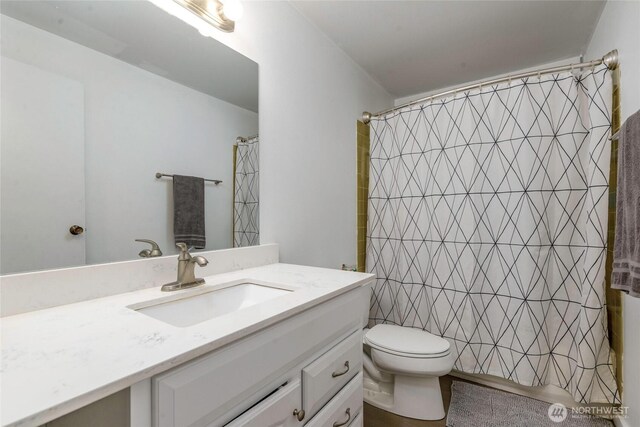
403	339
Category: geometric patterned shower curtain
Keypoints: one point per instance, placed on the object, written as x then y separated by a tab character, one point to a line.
487	226
246	231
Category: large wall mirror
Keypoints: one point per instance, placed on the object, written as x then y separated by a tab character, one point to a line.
95	102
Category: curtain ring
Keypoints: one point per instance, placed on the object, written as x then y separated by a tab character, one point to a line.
539	75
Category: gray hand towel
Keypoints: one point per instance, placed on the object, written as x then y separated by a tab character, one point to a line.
626	252
188	210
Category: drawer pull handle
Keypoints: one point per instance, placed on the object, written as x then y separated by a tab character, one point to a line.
341	373
299	414
344	423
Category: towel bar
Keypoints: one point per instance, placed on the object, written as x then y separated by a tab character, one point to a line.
160	175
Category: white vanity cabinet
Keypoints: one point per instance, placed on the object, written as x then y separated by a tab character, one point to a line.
277	410
300	370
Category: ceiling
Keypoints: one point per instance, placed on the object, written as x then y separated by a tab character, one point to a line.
128	30
412	47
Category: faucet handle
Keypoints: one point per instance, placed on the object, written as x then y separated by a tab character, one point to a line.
184	251
184	247
150	253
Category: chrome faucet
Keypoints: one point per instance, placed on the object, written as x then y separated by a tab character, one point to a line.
186	267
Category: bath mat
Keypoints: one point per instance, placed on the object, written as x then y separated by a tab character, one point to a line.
475	406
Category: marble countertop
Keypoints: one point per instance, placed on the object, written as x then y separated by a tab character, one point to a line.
57	360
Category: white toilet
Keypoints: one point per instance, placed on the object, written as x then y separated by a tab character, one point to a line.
403	369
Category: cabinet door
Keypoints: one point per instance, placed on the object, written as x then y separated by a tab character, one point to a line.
322	379
343	409
274	411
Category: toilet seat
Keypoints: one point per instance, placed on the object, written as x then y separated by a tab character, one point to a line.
407	342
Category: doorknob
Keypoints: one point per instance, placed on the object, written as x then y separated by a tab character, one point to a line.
76	229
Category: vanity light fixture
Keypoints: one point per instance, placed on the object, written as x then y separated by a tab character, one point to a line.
204	15
232	9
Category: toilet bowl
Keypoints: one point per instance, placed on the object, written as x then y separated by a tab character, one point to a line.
402	367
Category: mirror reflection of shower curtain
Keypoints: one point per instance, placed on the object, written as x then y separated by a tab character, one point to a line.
246	195
488	227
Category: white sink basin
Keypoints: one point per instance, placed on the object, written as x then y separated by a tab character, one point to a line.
193	308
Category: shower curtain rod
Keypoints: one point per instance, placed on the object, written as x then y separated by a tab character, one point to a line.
241	139
610	60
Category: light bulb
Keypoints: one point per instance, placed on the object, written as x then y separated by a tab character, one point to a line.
232	9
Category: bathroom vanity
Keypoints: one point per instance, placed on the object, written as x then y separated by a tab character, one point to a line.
302	370
284	348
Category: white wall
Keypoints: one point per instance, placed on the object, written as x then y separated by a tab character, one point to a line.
405	99
311	95
619	28
137	124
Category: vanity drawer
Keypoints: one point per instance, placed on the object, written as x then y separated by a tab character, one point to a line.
358	421
322	379
275	411
342	410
